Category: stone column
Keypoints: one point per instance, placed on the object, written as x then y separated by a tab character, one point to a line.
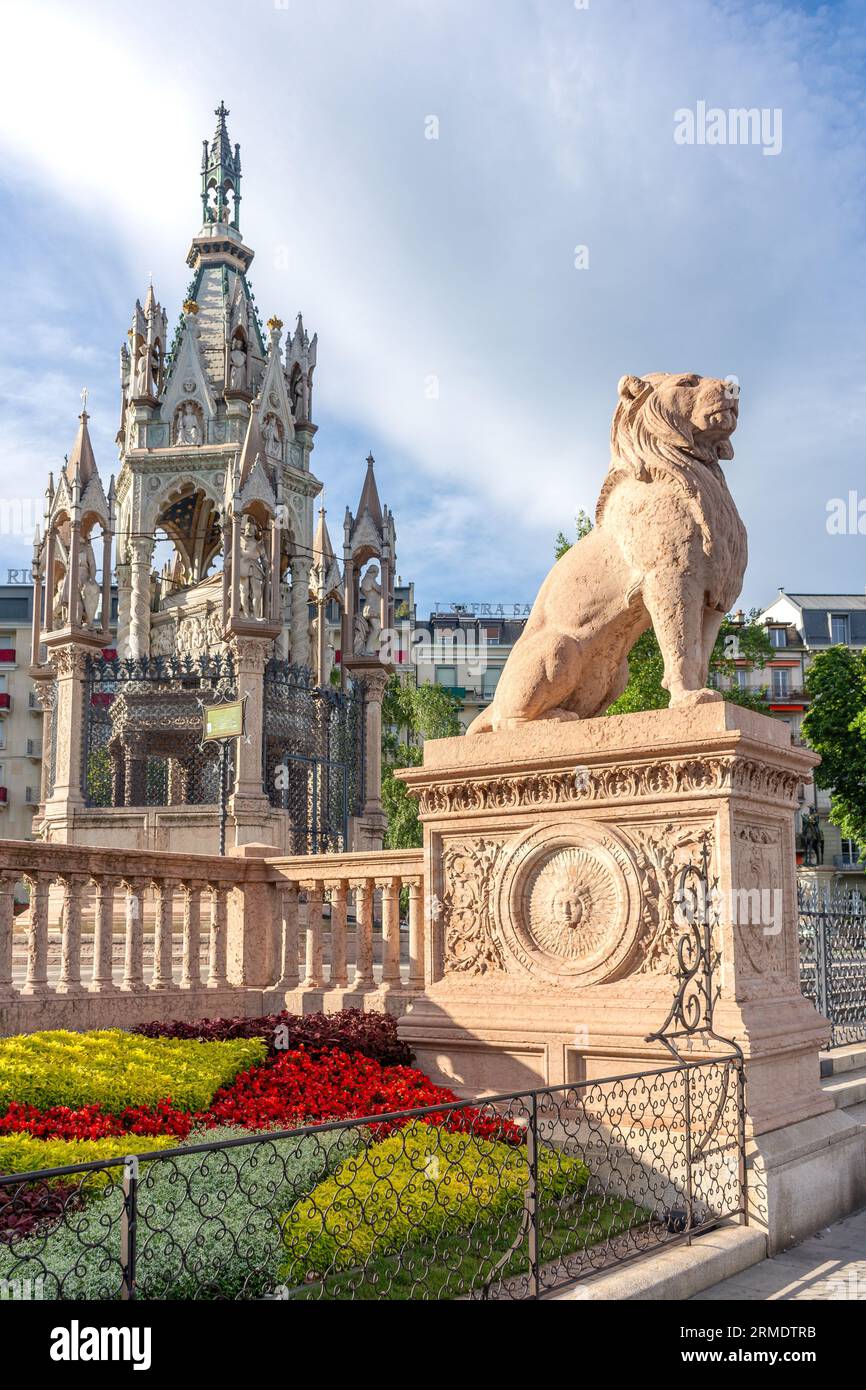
45	692
248	797
106	585
300	611
369	830
124	601
141	552
36	637
69	661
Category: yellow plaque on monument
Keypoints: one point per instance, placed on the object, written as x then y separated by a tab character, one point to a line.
224	721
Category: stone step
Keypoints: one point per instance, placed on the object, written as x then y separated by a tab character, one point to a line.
846	1089
835	1061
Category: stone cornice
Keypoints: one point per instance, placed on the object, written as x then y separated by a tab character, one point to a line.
710	774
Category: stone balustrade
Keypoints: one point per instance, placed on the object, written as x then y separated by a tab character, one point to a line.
115	938
369	884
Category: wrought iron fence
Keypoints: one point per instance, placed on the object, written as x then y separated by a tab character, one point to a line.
507	1199
832	929
313	756
143	730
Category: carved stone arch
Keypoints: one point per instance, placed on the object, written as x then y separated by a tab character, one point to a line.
154	500
189	515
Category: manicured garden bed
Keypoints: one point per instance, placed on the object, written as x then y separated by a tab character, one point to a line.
416	1205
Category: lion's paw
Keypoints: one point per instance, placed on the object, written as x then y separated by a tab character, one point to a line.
689	698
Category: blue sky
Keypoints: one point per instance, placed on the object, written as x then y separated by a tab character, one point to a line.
454	258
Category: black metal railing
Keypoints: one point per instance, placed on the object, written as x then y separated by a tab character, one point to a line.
832	930
143	730
511	1198
312	756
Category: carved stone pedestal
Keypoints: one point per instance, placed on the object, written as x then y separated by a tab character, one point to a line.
552	855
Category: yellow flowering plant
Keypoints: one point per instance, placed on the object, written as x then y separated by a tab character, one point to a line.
113	1069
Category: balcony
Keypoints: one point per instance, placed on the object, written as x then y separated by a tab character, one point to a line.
34	749
7	656
849	865
458	691
4	798
5	703
33	704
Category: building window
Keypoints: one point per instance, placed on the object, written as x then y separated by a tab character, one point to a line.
742	678
490	680
446	675
778	637
839	629
781	682
850	851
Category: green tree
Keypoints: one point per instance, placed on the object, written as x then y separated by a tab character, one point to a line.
835	726
582	527
735	643
410	714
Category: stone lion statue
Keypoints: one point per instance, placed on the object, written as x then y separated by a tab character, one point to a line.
668	551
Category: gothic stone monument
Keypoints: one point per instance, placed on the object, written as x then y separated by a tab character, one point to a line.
554	839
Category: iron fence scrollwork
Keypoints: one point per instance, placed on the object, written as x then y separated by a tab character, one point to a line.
142	730
312	756
832	932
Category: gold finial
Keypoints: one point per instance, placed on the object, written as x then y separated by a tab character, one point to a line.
190	306
275	323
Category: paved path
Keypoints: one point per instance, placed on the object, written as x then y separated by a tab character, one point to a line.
831	1265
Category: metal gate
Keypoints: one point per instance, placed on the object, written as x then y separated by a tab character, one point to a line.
313	756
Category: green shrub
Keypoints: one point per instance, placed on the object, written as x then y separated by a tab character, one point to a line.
113	1069
421	1183
21	1153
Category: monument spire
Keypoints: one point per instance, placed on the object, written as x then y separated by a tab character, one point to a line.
221	175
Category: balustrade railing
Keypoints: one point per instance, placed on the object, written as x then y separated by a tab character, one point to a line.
111	937
332	940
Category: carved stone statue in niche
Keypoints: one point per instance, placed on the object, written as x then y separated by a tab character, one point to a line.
143	377
238	363
88	589
368	624
252	570
272	435
187	425
299	396
88	585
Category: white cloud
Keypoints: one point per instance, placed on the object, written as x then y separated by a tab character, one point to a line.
454	257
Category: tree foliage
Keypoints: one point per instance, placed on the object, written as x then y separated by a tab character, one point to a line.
410	714
582	527
835	726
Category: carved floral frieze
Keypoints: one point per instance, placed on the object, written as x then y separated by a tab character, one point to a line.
723	773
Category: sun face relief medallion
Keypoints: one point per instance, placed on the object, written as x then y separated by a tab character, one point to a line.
571	901
568	903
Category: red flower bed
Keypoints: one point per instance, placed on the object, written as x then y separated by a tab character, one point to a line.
60	1122
297	1087
289	1089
